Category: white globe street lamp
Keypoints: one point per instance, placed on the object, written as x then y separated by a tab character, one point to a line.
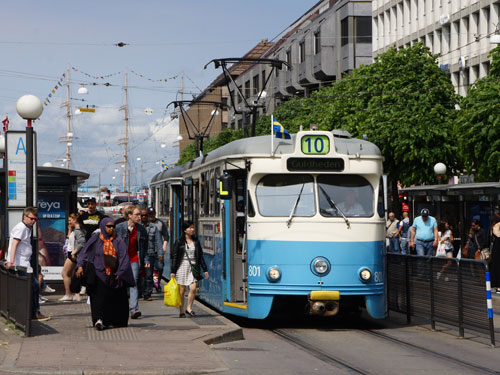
440	170
29	107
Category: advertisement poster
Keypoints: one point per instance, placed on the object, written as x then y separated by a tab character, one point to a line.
208	239
51	234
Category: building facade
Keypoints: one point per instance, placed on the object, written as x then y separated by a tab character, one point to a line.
457	30
325	43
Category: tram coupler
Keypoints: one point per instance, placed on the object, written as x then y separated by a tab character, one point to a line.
324	302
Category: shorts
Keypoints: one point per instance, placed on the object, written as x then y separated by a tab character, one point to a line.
69	257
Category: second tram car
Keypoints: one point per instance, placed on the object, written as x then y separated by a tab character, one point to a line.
302	224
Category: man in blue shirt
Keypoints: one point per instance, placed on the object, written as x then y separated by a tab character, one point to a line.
424	234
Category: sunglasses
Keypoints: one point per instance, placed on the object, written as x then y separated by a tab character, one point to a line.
144	215
32	218
110	226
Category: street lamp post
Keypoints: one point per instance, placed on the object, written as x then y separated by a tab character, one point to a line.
30	108
440	170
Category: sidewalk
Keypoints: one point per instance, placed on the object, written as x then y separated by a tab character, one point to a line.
157	343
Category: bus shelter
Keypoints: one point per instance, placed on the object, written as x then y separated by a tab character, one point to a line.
57	198
458	204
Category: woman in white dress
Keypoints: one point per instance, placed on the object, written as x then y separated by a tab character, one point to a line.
187	251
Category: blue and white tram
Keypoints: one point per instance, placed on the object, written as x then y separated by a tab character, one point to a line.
304	224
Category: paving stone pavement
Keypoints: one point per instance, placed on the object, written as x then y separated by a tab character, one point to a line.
158	343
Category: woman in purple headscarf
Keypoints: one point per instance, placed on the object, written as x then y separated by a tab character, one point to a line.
107	286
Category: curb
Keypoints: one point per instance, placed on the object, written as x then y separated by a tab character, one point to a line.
233	333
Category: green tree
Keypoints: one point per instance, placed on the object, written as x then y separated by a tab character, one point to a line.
478	125
405	104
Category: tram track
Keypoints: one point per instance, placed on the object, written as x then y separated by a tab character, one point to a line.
352	368
480	369
318	353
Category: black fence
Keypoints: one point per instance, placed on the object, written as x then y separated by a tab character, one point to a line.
16	296
446	290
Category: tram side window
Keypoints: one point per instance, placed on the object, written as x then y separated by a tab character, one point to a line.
203	186
277	195
351	194
216	195
212	192
381	194
205	194
166	200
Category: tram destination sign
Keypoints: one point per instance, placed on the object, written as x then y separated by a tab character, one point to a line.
315	164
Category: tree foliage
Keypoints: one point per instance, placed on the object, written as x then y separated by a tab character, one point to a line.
478	124
404	103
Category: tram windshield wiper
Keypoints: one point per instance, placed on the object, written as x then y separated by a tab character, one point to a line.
334	206
289	222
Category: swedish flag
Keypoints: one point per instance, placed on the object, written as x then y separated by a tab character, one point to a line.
279	129
164	165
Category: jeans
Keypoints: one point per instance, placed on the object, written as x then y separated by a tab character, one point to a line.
35	300
154	262
404	245
424	248
134	291
394	245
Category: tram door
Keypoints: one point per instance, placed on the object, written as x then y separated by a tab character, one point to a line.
238	238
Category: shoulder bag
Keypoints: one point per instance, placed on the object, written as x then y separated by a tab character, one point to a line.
195	268
482	254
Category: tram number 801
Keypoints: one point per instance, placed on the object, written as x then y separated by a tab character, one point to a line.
378	277
254	271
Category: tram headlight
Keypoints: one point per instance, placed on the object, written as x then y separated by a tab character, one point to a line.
320	266
365	275
273	274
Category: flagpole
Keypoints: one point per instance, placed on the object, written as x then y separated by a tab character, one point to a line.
272	135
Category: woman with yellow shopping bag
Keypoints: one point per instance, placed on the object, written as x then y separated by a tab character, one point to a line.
187	258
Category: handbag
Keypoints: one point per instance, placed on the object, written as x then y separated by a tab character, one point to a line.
89	276
483	254
440	252
195	268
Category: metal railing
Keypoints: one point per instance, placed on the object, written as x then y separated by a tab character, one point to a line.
16	296
447	290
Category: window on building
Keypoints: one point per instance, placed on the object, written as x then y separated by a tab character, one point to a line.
344	31
289	57
238	96
263	75
363	29
223	125
317	42
256	88
302	51
231	97
247	89
240	123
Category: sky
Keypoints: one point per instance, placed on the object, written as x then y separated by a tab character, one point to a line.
39	40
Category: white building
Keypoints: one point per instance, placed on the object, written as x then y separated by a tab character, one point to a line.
457	30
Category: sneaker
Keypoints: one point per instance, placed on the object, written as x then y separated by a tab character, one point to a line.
135	314
65	299
77	298
48	289
148	298
41	318
98	325
40	300
83	290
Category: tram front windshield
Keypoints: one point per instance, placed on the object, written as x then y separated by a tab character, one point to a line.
278	194
338	195
351	195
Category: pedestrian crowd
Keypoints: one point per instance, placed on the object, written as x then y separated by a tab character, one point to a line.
425	237
114	262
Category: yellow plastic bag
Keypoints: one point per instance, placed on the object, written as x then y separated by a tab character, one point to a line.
172	295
